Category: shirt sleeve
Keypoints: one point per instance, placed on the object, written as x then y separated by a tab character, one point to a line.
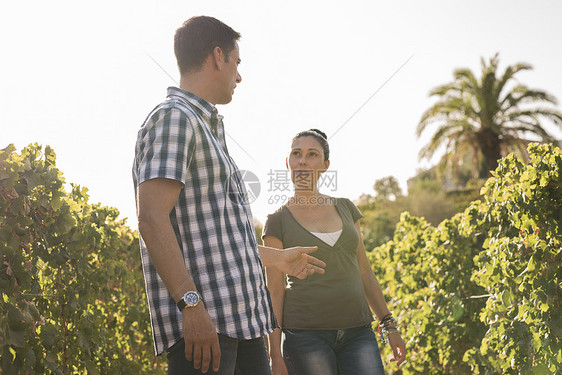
355	213
168	145
272	226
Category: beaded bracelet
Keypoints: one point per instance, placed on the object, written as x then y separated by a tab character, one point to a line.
386	318
388	321
385	331
387	325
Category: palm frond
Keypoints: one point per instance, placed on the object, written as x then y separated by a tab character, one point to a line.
446	89
508	74
448	109
479	116
452	133
521	95
466	81
550	114
525	128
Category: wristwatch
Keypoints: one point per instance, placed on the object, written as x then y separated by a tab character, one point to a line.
189	299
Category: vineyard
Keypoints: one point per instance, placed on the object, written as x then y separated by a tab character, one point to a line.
71	281
479	293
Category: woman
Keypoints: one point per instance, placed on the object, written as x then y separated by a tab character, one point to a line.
326	319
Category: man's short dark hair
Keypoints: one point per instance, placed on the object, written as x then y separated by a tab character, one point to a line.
197	37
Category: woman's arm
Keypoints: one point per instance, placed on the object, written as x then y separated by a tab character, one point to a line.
276	286
373	291
375	298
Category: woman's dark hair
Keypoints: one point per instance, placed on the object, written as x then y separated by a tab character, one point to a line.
320	136
195	40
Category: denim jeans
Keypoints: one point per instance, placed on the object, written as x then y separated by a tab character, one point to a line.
238	357
332	352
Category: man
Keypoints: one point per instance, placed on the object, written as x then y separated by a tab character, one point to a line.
198	243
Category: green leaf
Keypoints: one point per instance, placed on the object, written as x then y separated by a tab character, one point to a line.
541	370
92	368
48	335
531	265
30	358
16	320
15	338
458	311
506	298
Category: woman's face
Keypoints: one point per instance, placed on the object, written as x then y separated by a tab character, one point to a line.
306	162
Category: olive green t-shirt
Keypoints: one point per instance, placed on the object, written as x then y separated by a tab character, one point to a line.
336	299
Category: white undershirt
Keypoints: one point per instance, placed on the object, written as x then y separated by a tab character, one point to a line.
329	238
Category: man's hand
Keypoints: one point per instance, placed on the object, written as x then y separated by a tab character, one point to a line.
293	261
296	261
201	339
278	366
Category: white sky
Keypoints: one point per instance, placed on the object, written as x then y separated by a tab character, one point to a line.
80	77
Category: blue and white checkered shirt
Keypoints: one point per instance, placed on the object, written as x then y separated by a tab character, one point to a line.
183	139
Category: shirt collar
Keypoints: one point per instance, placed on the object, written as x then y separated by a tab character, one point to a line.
206	108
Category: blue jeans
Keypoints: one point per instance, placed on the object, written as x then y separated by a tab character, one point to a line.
332	352
238	357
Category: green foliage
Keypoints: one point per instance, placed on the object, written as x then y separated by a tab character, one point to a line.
70	276
387	188
379	219
426	198
521	264
428	272
481	292
259	230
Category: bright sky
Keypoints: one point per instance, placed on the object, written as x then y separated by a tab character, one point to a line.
82	76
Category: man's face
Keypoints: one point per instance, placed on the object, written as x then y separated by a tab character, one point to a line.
230	76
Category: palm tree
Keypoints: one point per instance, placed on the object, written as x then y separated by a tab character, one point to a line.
484	119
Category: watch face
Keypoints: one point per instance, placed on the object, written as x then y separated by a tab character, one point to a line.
191	298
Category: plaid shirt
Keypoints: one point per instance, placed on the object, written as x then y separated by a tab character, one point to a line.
183	139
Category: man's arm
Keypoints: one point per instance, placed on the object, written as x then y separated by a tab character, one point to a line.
294	261
156	199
